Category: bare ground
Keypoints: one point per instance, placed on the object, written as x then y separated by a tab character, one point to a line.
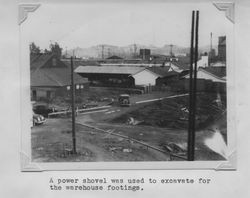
52	142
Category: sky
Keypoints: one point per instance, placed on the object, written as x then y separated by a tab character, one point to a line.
89	24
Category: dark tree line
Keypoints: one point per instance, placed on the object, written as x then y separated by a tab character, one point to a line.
54	48
34	49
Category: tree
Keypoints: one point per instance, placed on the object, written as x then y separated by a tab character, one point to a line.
56	49
34	49
46	51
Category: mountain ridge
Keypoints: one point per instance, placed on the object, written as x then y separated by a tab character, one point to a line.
105	50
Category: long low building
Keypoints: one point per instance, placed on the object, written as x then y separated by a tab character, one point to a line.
124	76
210	79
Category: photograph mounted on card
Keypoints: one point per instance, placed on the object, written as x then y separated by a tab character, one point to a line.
109	85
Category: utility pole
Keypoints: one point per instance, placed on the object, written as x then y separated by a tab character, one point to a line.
195	72
135	49
73	107
211	42
211	48
102	51
171	50
190	143
192	85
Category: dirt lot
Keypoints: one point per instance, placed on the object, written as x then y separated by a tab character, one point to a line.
51	143
173	112
160	125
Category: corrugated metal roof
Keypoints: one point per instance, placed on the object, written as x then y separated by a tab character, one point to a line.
130	70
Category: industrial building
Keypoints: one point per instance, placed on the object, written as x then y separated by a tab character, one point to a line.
222	49
124	76
145	54
211	79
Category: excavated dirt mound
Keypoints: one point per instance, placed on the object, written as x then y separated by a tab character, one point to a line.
173	113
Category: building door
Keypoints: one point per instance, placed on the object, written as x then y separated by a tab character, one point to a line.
48	94
34	95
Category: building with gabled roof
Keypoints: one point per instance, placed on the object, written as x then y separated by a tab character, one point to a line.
218	74
106	69
161	71
178	67
215	74
124	76
49	77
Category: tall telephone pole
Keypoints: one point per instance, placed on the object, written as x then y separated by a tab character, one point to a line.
102	51
73	107
211	42
171	49
192	85
210	56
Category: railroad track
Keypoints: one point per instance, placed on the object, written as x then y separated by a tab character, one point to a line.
134	140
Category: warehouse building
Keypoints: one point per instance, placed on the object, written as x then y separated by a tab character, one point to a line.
123	76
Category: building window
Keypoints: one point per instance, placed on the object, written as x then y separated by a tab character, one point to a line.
34	95
54	62
48	94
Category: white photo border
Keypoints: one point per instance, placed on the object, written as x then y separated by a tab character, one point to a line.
25	148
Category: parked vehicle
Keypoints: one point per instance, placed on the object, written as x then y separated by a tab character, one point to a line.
124	100
38	119
43	109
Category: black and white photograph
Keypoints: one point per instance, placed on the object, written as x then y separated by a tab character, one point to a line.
125	98
127	82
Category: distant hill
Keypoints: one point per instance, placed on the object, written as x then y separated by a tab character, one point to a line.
127	51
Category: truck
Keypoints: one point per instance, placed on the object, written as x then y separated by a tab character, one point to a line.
124	100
